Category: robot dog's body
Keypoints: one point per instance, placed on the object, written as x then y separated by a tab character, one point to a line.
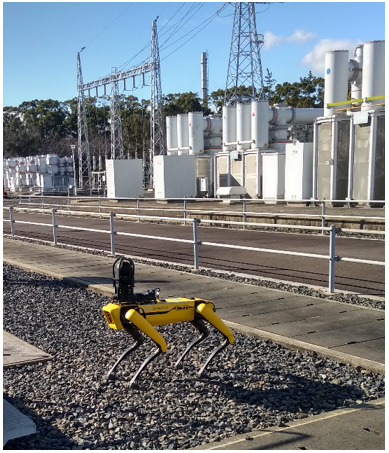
140	312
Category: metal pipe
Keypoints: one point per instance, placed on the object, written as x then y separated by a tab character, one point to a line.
54	227
196	243
333	259
323	216
372	154
11	220
351	161
315	159
112	232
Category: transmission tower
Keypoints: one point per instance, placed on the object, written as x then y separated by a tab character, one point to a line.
117	149
157	135
84	169
157	139
244	66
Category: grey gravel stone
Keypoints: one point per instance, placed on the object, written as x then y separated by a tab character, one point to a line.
253	384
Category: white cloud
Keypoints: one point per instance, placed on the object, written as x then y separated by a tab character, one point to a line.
314	60
297	37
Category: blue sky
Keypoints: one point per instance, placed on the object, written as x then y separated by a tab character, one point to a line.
41	41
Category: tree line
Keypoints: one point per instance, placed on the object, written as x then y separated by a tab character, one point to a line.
50	126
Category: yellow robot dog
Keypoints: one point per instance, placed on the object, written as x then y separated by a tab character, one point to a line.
140	312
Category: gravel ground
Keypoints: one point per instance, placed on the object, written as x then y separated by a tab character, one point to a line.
253	384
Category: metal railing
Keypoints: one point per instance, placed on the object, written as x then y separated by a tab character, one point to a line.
185	210
331	257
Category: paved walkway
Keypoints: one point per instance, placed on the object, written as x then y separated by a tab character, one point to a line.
344	332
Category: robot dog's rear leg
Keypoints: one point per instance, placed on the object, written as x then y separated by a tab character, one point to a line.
202	328
134	332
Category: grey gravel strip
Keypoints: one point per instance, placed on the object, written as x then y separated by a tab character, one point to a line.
252	385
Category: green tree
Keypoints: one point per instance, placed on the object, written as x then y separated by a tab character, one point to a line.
269	82
174	104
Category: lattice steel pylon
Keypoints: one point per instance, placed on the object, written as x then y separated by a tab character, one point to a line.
84	162
117	149
157	134
244	66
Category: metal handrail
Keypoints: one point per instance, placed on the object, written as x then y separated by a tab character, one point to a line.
243	224
258	249
244	202
331	257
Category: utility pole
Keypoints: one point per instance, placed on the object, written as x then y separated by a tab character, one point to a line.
85	174
244	66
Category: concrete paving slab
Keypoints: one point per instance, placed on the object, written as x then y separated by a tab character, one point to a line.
260	307
320	324
18	352
356	428
373	349
348	335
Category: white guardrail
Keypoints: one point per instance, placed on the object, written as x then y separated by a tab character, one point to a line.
185	210
331	257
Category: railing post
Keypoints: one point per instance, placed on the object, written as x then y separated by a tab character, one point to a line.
244	214
323	216
184	211
99	204
333	260
54	228
138	208
196	243
11	220
112	228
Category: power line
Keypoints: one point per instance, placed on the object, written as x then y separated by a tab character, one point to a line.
203	25
107	26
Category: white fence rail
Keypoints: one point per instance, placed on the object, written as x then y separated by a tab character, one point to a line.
332	258
185	210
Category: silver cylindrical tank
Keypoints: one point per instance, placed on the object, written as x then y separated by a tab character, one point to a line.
243	126
335	79
32	168
196	132
182	133
302	115
229	127
171	135
12	163
204	76
356	84
373	72
22	168
51	159
260	123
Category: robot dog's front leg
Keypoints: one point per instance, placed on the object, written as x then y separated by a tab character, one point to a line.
206	310
142	324
134	332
